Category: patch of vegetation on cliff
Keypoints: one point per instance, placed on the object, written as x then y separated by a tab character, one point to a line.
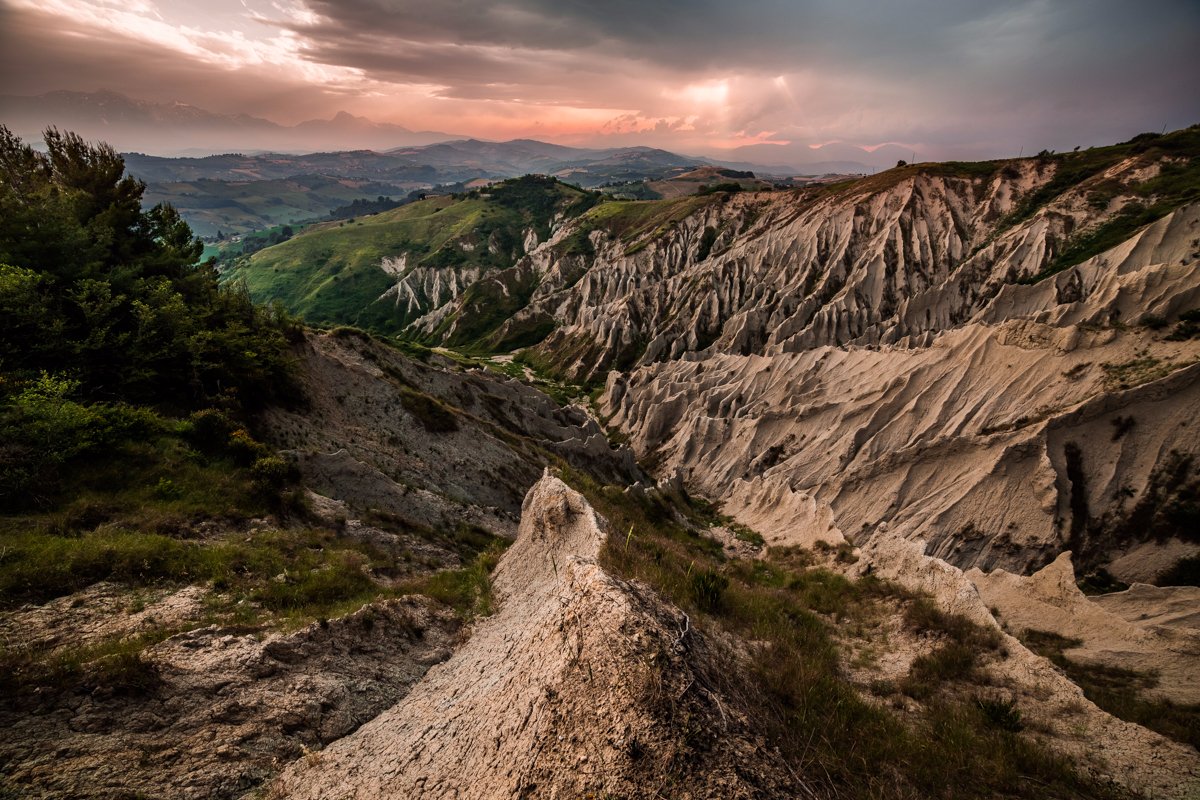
483	307
1176	183
1108	235
1077	167
1142	369
637	222
1188	326
1168	507
467	590
837	740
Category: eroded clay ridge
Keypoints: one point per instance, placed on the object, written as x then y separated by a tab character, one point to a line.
1038	426
577	686
898	256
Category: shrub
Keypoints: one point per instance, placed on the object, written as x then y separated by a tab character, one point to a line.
1188	326
1100	581
729	187
210	430
43	429
244	449
1154	322
1000	714
708	590
272	473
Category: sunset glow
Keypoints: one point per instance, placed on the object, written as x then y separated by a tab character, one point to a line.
692	77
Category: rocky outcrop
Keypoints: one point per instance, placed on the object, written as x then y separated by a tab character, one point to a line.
580	685
216	711
417	290
903	254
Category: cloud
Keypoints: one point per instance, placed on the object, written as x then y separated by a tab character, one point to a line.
949	77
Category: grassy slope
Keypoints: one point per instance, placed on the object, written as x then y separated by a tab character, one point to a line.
960	742
330	273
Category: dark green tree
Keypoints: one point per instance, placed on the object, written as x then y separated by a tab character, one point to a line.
97	289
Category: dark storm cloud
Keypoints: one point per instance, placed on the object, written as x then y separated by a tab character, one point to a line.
690	35
940	67
965	78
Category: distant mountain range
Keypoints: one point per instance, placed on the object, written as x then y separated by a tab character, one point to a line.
237	193
181	129
444	162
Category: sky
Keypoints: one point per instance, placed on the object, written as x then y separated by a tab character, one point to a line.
946	78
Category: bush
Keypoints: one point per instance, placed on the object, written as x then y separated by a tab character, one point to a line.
1000	714
244	449
271	473
42	430
1188	326
210	430
1154	322
708	590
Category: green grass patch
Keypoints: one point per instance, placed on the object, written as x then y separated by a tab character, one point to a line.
1135	372
955	659
631	220
118	666
467	590
1108	235
435	416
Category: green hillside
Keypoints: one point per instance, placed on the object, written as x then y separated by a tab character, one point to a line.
331	274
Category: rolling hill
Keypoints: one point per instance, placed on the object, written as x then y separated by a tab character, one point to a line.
386	270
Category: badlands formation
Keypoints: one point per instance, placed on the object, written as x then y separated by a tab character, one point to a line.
821	530
932	370
994	372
